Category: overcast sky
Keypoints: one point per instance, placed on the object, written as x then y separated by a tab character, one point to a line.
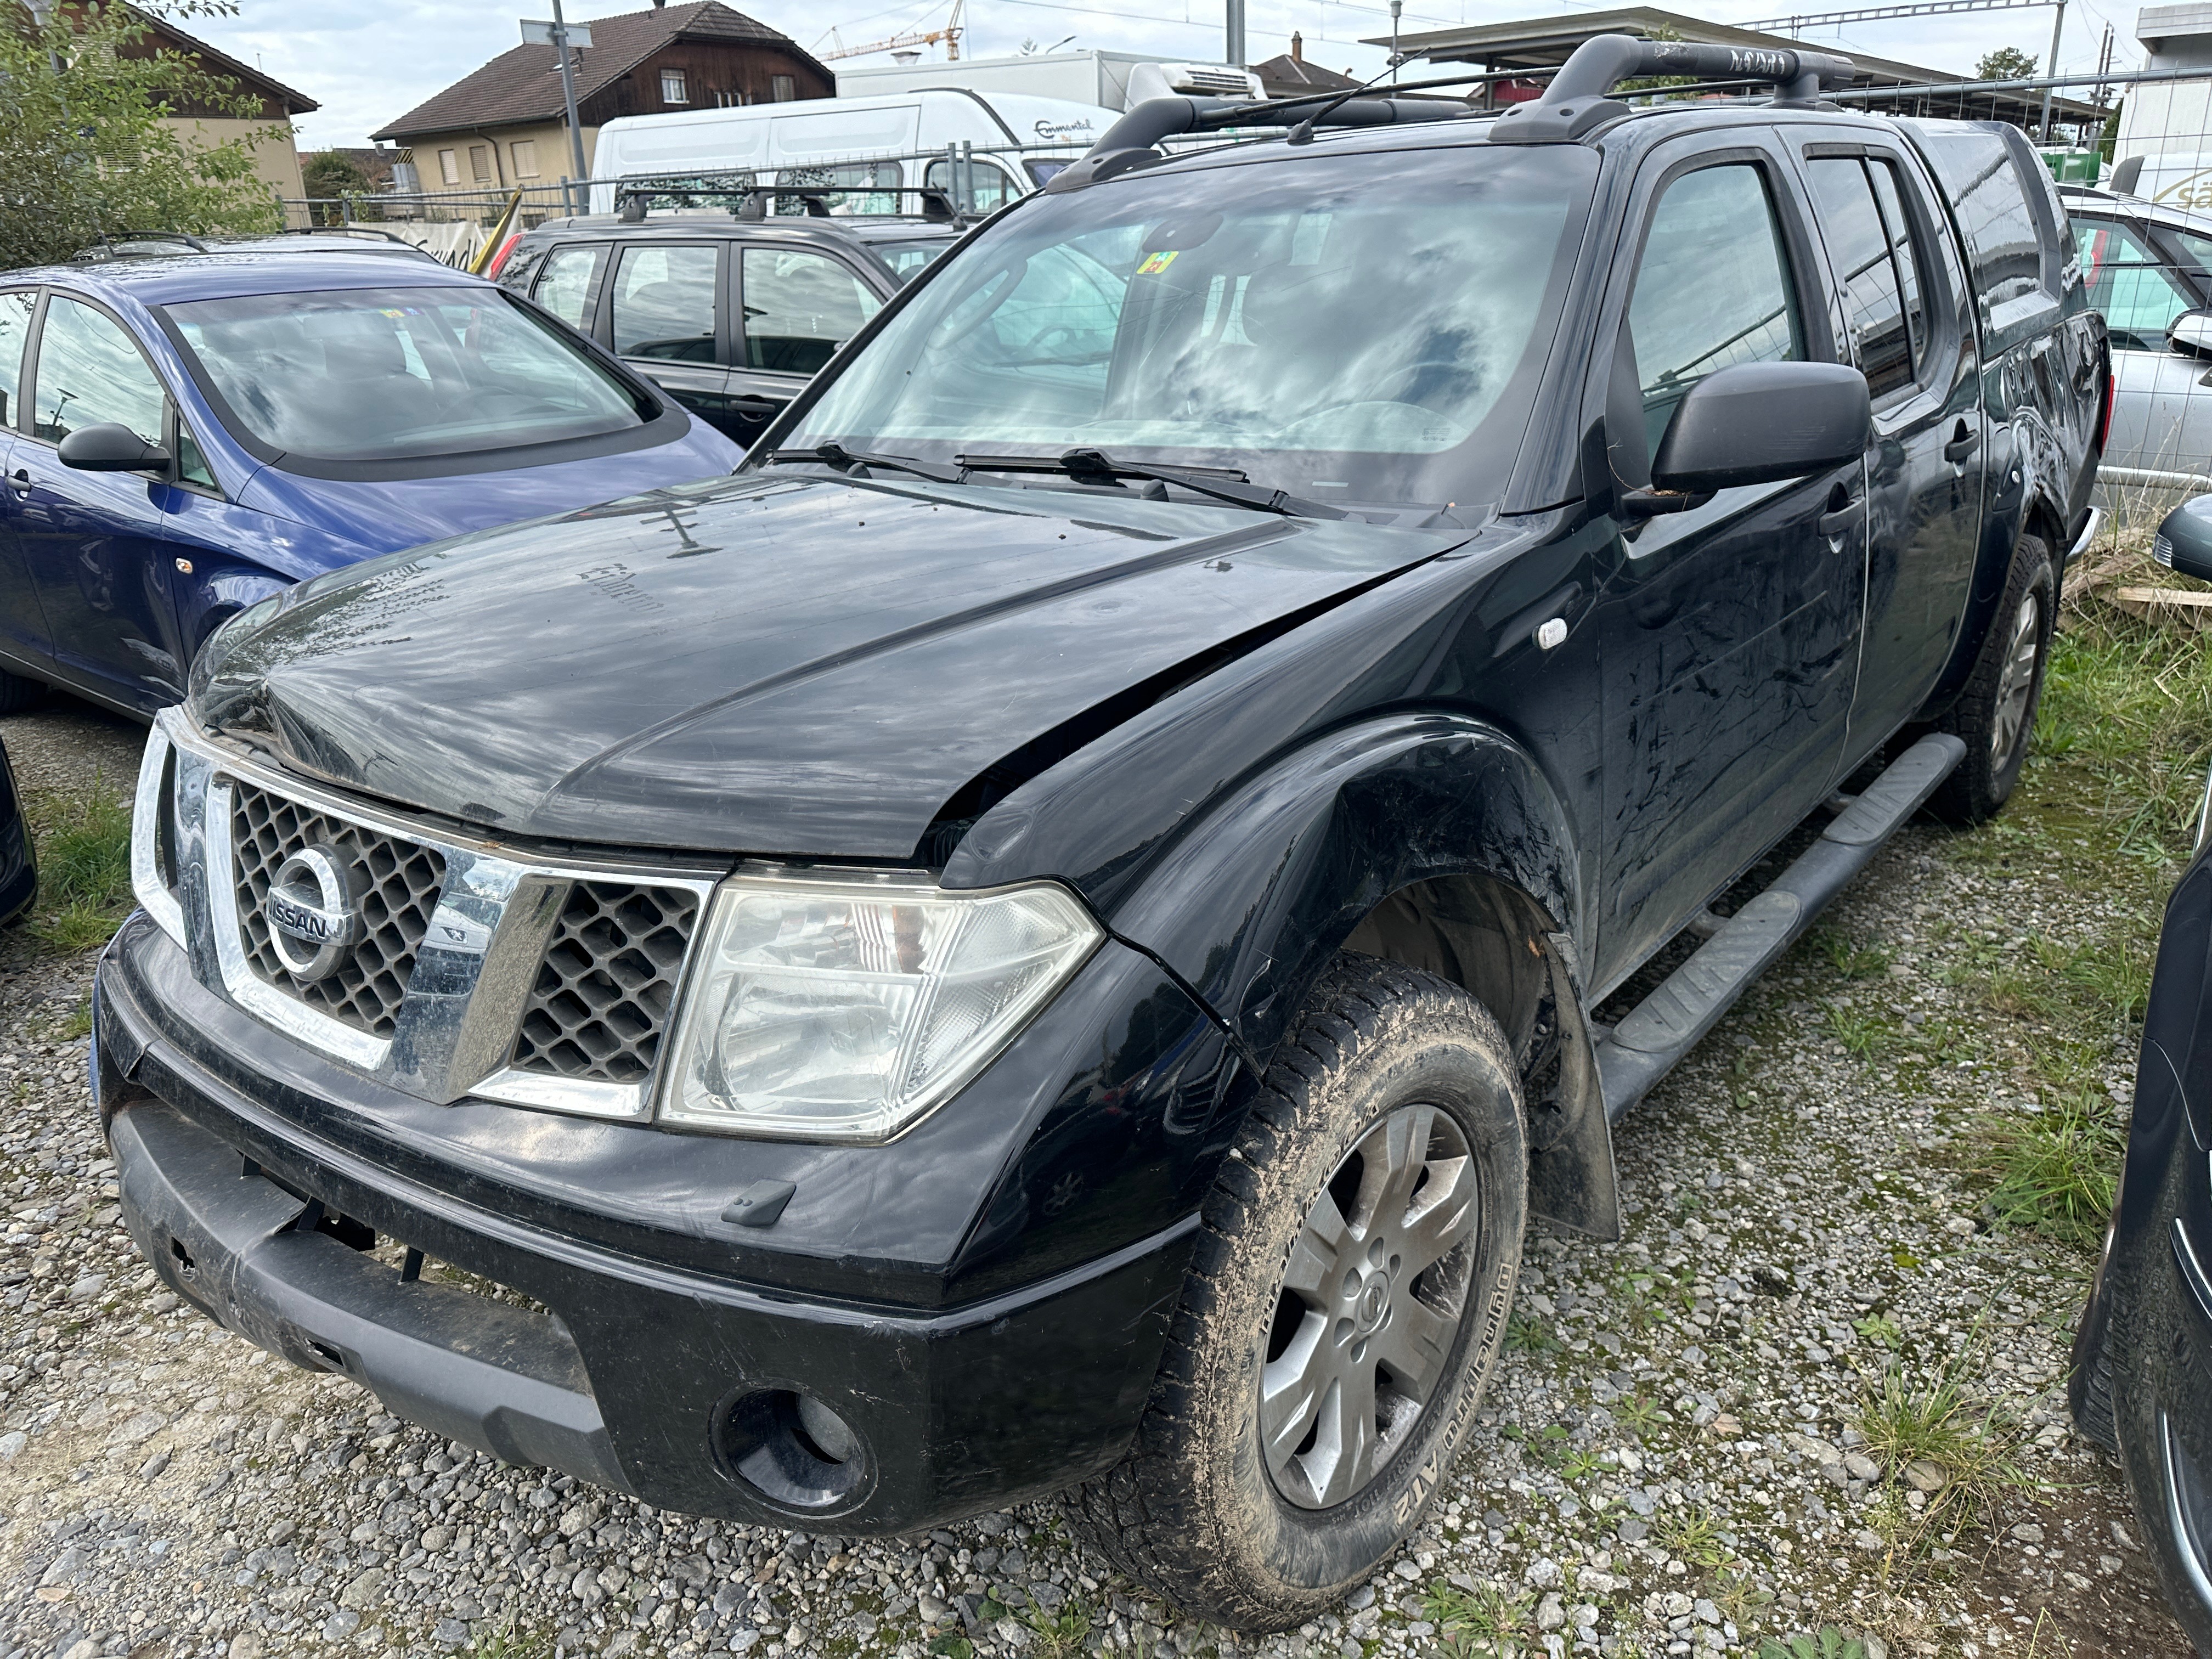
369	61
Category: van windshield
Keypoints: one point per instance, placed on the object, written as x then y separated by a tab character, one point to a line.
1356	327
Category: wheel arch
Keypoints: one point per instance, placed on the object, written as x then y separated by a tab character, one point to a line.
1432	840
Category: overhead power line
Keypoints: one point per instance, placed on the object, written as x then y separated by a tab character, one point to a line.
1875	14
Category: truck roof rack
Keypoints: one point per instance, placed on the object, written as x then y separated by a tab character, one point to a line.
1573	105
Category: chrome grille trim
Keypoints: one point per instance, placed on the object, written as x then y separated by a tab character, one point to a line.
455	1031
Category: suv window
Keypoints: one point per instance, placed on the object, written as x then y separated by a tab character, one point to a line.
16	309
1982	178
665	303
2138	292
1865	250
1713	289
799	307
568	286
90	373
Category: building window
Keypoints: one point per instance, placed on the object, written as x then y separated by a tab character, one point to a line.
449	166
672	88
525	153
782	89
480	162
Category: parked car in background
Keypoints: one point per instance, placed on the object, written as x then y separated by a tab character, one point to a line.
2148	268
180	437
2142	1378
19	867
1056	945
730	312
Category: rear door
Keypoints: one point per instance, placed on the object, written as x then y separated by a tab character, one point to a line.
1909	328
665	318
798	305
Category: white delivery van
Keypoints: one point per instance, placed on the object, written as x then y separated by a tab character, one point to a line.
848	143
1115	80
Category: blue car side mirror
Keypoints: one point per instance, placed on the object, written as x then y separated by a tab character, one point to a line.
109	447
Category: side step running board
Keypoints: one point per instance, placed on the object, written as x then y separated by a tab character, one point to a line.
1663	1027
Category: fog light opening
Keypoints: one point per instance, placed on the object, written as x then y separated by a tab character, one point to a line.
793	1450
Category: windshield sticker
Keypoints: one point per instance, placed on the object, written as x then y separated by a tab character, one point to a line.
1157	263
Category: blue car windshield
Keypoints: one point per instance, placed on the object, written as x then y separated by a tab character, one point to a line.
390	373
1350	327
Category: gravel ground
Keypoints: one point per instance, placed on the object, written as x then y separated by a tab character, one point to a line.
1671	1461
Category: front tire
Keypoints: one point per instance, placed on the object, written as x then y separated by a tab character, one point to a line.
1995	713
17	693
1344	1310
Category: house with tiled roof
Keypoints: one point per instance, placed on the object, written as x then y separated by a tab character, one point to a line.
505	125
275	156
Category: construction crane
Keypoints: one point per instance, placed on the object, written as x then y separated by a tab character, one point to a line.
950	34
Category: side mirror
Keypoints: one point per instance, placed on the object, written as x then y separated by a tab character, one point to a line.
2191	334
2184	539
109	447
1757	423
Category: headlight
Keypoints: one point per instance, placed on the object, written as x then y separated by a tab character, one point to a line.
845	1009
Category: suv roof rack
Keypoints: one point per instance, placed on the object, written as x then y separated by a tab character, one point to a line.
1572	106
345	230
631	202
104	248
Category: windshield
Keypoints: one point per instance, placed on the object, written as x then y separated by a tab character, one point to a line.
380	374
905	258
1354	327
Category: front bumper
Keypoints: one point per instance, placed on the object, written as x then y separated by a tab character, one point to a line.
640	1375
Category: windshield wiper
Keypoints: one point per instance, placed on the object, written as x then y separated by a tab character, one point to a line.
836	455
1096	465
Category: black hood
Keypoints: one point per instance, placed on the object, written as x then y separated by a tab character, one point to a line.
773	665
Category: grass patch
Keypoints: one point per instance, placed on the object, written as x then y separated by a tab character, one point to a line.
2057	1173
1637	1414
1849	959
1971	1447
1829	1644
1060	1635
1862	1035
84	867
1691	1535
1487	1620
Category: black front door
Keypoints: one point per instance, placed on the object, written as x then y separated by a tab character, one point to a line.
1730	632
798	306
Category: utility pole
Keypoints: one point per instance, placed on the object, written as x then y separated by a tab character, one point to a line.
2057	27
561	35
1235	43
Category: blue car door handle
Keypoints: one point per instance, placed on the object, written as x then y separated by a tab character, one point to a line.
19	483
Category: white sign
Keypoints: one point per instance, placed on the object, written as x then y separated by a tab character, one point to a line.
541	35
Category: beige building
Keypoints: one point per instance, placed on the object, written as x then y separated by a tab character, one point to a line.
276	158
505	125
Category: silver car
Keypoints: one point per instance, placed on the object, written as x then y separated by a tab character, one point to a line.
2148	268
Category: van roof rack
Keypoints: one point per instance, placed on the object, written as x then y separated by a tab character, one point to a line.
1572	106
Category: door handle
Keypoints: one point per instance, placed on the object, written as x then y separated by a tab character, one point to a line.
1962	444
19	482
755	409
1834	524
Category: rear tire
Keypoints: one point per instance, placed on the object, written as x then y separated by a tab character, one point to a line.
1344	1310
17	693
1995	715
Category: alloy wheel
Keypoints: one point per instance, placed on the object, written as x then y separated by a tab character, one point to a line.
1370	1308
2016	684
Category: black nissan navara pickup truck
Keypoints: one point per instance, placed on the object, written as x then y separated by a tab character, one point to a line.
1045	936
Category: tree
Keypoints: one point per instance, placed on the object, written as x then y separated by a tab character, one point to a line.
84	152
2007	63
329	175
